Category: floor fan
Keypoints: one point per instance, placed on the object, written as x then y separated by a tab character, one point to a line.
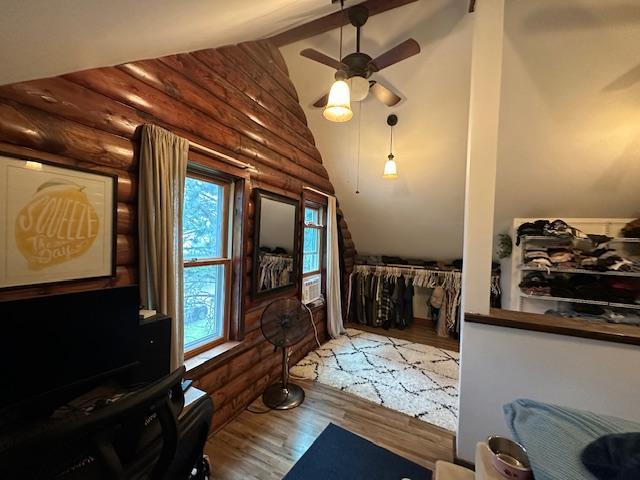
284	323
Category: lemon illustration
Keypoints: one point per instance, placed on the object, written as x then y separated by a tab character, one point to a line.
57	225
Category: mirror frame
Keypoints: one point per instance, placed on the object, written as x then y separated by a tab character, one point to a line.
259	194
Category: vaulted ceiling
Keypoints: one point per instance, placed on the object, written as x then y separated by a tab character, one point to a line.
420	214
41	38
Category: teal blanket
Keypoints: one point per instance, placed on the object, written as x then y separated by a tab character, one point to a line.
554	436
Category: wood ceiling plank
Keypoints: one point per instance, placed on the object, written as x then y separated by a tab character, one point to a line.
333	21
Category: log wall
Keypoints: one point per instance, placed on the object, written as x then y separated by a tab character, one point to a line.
238	100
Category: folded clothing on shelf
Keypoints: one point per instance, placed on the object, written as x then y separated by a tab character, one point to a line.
583	287
531	228
535	283
632	229
597	313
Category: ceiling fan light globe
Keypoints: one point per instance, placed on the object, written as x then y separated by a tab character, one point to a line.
338	107
390	168
359	88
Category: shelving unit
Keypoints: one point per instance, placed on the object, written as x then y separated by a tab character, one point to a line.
540	303
610	273
550	298
570	240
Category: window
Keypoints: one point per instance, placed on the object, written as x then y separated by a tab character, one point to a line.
312	249
207	262
313	253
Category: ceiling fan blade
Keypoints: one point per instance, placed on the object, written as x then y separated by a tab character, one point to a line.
322	101
406	49
322	58
383	94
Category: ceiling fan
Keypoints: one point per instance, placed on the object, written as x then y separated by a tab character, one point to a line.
357	67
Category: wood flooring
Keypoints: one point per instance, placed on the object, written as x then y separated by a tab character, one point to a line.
420	331
265	446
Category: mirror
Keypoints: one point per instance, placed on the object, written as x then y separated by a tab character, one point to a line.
276	232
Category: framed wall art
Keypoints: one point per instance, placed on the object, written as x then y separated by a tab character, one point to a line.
57	223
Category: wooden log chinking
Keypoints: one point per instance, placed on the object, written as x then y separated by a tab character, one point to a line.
241	101
22	125
177	85
215	62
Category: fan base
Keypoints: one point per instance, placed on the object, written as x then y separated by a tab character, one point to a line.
280	398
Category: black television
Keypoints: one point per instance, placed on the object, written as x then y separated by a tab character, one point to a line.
55	346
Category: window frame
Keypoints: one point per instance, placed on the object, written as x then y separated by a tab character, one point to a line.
321	228
226	258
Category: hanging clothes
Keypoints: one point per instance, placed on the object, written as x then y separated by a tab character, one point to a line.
274	271
408	302
399	320
385	309
387	299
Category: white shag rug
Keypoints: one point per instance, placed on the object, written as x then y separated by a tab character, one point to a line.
419	380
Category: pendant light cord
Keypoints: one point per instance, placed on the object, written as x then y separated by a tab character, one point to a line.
391	142
358	163
342	12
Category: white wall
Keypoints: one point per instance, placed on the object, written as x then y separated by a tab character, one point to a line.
420	214
503	364
42	38
568	147
570	111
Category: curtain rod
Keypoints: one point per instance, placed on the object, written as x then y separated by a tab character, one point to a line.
317	191
221	156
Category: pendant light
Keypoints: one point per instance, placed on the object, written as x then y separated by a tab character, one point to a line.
338	107
390	167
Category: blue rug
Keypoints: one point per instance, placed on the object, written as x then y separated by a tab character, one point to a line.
338	454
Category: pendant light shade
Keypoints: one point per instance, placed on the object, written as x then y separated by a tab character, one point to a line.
390	168
338	107
359	88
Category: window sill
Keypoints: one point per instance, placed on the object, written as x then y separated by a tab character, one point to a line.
207	360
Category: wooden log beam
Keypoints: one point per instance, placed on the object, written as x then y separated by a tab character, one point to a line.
177	85
264	61
125	275
206	78
22	125
216	62
126	250
127	183
238	57
122	87
331	22
275	54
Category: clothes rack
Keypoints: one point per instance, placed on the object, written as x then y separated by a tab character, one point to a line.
450	280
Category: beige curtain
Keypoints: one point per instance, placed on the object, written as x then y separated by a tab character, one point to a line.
335	323
163	168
